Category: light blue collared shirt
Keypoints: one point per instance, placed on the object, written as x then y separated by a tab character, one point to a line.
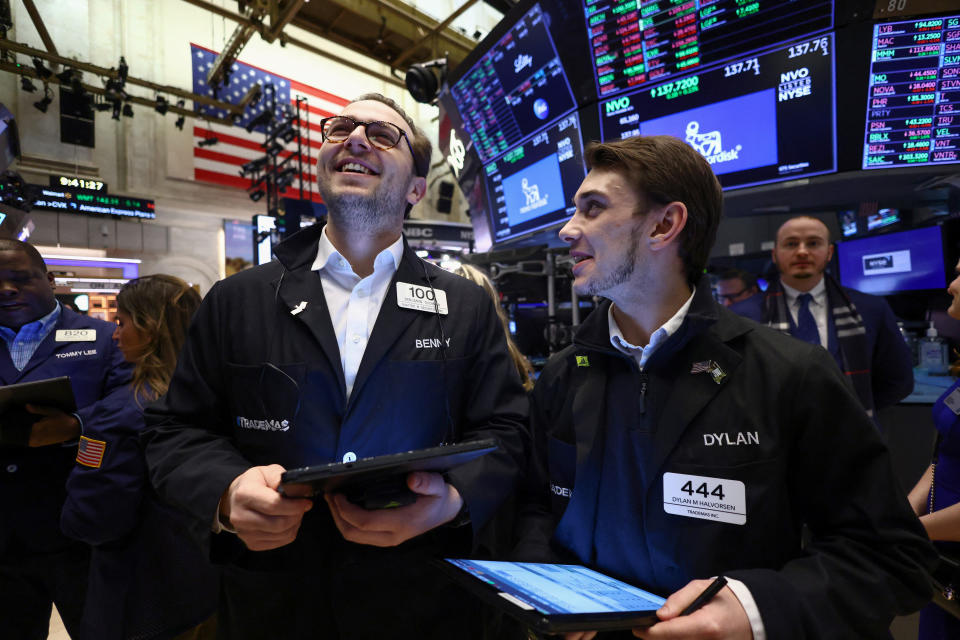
22	344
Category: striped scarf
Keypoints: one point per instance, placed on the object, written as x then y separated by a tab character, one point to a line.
851	333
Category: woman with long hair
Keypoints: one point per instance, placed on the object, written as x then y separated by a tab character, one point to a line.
936	496
475	275
148	579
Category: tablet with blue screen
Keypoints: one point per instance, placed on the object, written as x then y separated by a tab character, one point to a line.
555	598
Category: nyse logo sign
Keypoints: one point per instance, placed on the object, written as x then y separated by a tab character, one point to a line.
458	154
879	264
794	84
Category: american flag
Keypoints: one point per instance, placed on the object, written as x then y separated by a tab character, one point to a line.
700	367
90	452
220	163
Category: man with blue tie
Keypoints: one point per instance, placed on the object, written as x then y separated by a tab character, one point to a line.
859	330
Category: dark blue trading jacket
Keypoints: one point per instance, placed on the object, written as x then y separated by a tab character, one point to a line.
32	480
148	578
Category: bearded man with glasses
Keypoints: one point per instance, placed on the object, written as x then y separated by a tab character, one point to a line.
325	356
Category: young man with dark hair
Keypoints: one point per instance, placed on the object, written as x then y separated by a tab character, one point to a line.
39	566
674	441
859	330
325	356
736	285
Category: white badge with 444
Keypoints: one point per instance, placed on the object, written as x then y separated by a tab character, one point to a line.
717	499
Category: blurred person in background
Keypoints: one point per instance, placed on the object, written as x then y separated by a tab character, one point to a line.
148	579
477	276
736	285
936	496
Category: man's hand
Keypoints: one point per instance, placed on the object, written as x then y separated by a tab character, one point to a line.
722	617
437	503
262	517
54	427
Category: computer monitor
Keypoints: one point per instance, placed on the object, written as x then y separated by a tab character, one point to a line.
762	118
894	262
913	104
634	44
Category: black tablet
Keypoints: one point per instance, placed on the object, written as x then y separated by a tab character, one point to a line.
380	482
556	598
52	392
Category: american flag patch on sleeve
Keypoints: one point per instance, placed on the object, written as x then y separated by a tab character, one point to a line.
90	452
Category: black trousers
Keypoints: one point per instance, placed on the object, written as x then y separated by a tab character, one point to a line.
377	594
30	583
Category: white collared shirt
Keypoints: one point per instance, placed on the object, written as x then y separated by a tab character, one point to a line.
354	302
658	337
641	355
818	306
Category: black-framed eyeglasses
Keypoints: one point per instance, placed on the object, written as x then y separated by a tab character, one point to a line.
731	297
382	135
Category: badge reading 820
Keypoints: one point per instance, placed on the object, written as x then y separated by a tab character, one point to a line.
717	499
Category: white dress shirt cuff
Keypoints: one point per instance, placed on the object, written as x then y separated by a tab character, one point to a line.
220	525
750	606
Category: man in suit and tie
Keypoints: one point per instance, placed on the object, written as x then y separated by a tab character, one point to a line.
859	330
42	339
330	354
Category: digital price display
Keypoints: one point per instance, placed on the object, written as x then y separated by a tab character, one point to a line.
636	42
516	88
530	186
762	118
93	204
913	108
73	182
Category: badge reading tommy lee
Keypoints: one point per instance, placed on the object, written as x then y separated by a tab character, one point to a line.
705	498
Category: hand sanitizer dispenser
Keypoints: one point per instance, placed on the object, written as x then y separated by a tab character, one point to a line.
933	353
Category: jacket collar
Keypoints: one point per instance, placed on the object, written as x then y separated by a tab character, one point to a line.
594	333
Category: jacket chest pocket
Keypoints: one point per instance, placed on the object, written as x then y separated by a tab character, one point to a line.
562	466
264	397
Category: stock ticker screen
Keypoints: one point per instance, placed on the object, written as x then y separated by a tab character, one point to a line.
761	118
635	43
531	186
513	119
516	88
913	109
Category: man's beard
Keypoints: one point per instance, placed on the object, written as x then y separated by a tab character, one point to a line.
364	212
622	273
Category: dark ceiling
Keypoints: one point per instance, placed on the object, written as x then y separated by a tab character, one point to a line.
385	30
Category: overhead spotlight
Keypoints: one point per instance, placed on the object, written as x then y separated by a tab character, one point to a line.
122	70
253	166
263	119
45	101
256	195
179	123
27	85
42	71
208	142
425	79
161	106
66	76
128	110
117	108
286	178
103	106
273	148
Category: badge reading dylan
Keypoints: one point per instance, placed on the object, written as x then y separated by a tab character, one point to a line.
710	366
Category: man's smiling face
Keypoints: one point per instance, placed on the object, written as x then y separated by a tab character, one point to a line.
360	183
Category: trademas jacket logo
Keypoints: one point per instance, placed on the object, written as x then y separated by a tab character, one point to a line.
263	425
